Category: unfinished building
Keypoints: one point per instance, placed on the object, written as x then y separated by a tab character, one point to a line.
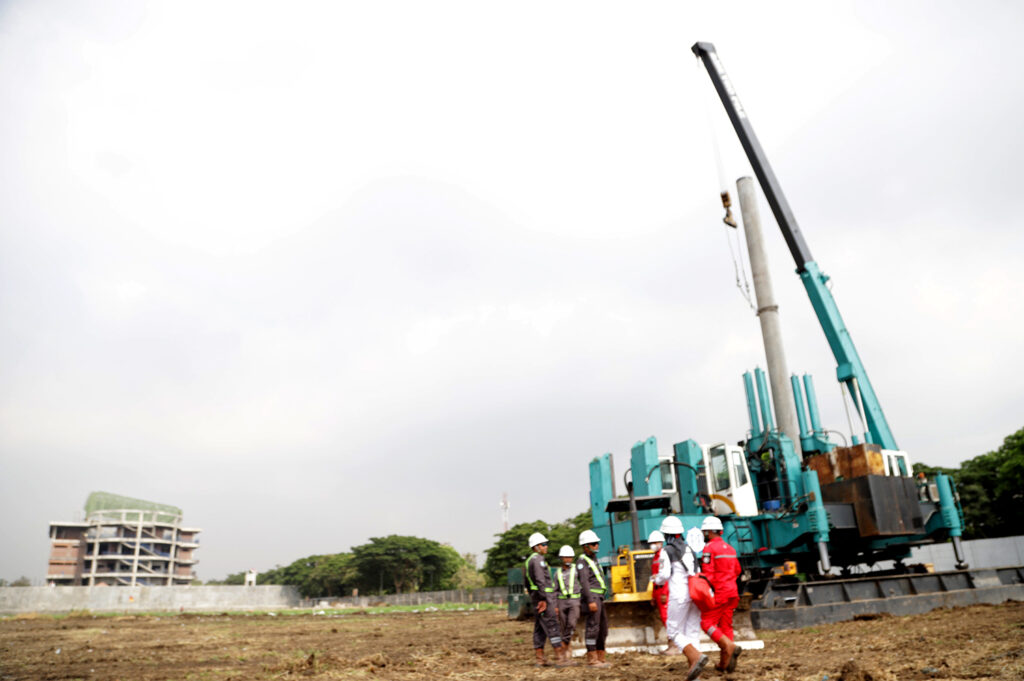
123	542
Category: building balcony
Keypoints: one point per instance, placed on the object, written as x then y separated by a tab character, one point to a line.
143	555
125	574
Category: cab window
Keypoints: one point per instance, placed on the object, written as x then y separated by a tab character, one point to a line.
720	468
739	471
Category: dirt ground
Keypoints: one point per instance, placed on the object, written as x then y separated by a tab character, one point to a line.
980	642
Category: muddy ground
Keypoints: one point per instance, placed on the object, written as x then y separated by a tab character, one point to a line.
980	642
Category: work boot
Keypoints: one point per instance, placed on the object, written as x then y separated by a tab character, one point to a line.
600	658
728	651
731	667
672	650
562	656
696	668
593	659
541	662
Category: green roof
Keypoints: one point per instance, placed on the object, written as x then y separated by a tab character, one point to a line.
105	501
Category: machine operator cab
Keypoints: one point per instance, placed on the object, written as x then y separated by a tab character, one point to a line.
728	481
725	480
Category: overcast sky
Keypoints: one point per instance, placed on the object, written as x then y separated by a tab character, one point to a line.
318	272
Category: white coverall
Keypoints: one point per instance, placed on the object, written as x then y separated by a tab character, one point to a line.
683	618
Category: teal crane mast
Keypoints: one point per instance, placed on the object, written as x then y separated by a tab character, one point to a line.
850	370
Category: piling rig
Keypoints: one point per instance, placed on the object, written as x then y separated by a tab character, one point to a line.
811	521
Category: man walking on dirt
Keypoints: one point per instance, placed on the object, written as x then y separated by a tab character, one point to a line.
677	566
568	597
721	567
542	596
592	591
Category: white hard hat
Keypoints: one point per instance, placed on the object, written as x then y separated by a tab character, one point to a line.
671	525
711	524
589	537
537	538
656	537
566	552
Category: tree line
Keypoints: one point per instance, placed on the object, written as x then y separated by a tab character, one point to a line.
384	565
403	564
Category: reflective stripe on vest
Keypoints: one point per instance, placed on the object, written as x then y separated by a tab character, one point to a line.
597	573
534	587
568	593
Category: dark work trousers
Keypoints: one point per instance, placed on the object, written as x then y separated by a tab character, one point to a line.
569	614
545	624
597	625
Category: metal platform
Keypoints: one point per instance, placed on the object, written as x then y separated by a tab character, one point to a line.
792	606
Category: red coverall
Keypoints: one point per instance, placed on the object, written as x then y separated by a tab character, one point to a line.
659	594
721	566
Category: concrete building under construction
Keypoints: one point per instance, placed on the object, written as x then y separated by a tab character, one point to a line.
122	542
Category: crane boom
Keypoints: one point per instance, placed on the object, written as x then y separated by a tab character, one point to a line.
850	370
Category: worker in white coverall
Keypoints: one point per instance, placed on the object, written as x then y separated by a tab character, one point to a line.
676	566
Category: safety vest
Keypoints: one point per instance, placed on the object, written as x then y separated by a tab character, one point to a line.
529	579
597	573
568	592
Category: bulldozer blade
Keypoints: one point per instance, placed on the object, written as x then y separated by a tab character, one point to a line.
634	626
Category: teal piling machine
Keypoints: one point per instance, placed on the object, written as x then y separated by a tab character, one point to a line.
809	526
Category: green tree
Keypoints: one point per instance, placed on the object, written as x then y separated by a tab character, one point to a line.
315	576
932	470
512	548
992	490
401	564
467	576
333	575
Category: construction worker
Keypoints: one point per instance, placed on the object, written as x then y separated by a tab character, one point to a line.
592	591
721	567
683	618
659	594
542	596
568	596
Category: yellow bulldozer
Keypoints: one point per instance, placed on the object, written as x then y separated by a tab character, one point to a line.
633	620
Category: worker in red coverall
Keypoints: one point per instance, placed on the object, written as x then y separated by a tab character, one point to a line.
659	594
721	567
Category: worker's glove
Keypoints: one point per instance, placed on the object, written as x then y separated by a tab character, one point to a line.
593	606
542	606
664	598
